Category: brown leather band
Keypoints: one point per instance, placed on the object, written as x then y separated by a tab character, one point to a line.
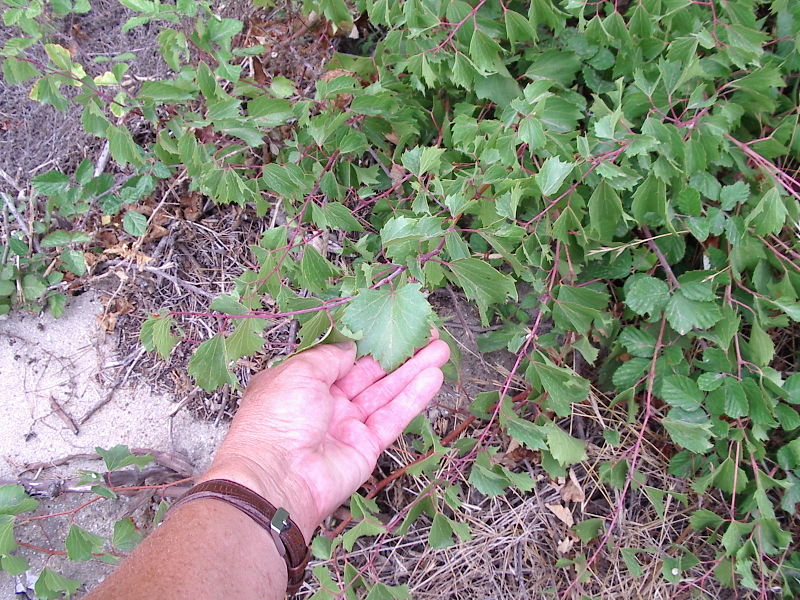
287	535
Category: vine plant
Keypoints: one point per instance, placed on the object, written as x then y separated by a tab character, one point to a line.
612	183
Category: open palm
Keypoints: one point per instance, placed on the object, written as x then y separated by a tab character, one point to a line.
316	424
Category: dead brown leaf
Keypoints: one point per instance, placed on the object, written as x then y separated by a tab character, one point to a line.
572	490
562	513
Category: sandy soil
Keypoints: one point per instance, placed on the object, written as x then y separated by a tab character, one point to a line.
69	360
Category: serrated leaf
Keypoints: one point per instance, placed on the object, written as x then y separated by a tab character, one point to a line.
731	196
126	536
552	174
482	283
684	314
120	456
51	183
638	342
209	364
577	307
630	373
50	585
73	261
441	533
246	338
7	541
588	530
689	431
393	323
123	149
64	238
762	348
81	544
485	478
365	528
134	223
681	392
605	211
566	449
736	404
13	565
156	334
645	294
563	386
14	500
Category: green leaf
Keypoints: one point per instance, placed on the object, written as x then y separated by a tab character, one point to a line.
566	449
645	294
50	585
736	404
577	307
166	91
588	530
316	270
638	342
14	500
563	386
51	183
441	533
134	223
209	364
64	238
246	338
485	478
690	430
605	211
730	196
393	323
703	518
126	536
7	541
33	286
120	456
762	349
123	149
285	180
519	29
681	392
769	215
684	314
552	174
13	565
482	283
156	334
81	544
73	261
17	71
367	527
484	52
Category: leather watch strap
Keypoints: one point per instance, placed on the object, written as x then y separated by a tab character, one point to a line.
287	535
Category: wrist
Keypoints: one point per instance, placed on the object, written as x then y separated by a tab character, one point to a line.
276	487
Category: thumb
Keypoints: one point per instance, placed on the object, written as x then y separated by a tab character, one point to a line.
325	362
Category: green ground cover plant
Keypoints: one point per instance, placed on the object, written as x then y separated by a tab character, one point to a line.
613	183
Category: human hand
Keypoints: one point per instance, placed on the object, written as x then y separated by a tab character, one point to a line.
309	431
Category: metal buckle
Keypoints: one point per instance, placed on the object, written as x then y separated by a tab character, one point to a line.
279	524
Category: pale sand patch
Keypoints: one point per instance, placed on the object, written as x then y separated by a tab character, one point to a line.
70	360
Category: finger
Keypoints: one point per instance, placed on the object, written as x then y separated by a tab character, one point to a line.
366	371
386	388
326	363
388	422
